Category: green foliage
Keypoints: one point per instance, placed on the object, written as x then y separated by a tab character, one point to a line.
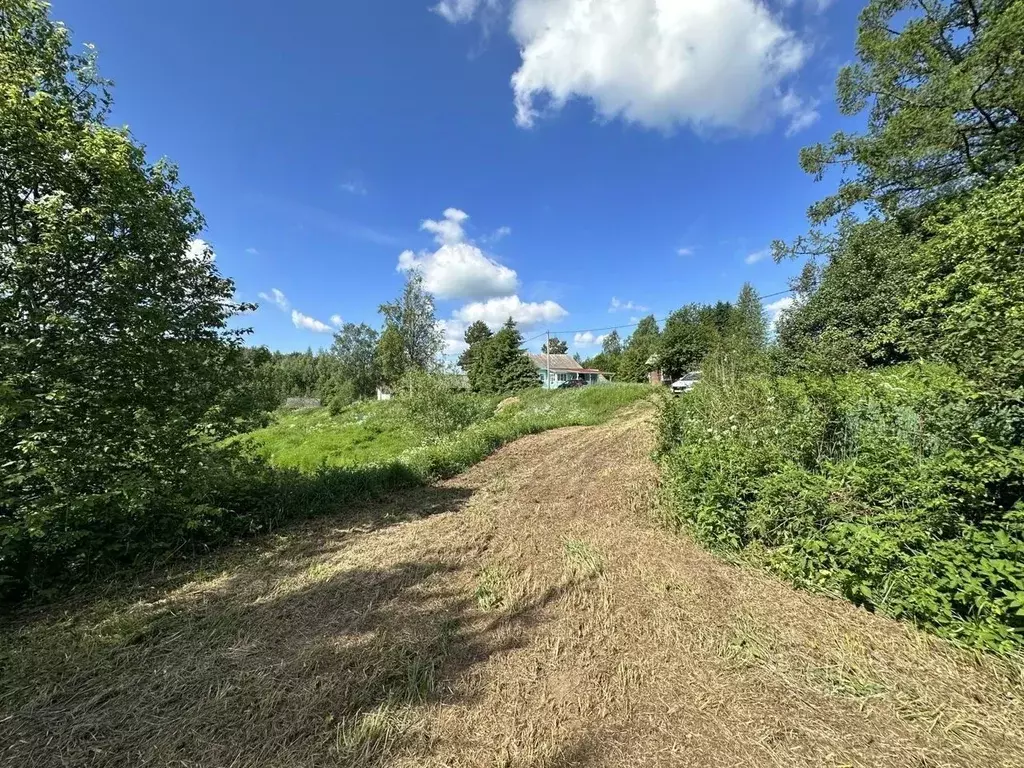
355	347
749	320
846	309
899	489
392	362
557	347
636	359
690	334
118	367
339	395
437	404
476	334
303	374
612	345
965	302
942	80
501	367
414	323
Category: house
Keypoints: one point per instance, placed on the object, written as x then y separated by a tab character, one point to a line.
564	368
655	375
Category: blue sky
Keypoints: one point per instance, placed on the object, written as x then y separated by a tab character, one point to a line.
538	157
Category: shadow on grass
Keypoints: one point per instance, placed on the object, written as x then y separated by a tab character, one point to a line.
311	647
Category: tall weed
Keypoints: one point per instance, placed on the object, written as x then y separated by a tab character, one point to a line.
897	488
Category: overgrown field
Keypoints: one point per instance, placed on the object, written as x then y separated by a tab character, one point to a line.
899	489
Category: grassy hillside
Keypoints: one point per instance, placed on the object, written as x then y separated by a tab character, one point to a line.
364	433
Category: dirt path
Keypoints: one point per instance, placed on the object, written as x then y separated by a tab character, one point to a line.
537	618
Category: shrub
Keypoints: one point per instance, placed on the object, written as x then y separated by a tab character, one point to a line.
899	489
340	395
436	404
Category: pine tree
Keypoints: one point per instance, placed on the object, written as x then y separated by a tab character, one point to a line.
556	347
476	336
503	367
752	324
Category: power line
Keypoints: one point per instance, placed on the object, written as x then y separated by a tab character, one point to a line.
633	325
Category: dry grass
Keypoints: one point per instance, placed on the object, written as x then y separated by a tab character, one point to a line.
537	617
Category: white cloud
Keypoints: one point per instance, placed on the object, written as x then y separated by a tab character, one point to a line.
802	114
497	235
459	11
199	250
685	251
776	308
625	306
454	332
337	321
588	339
354	188
300	320
495	312
458	268
449	230
659	63
252	251
276	297
756	256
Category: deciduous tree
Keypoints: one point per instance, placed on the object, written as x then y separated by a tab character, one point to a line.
117	362
412	315
355	347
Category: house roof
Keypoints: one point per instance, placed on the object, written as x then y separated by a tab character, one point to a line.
558	362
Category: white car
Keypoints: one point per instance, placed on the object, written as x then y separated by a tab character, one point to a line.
685	384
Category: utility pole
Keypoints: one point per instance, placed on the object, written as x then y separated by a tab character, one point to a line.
547	348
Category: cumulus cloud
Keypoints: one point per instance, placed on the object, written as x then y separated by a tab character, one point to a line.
199	250
588	339
458	269
495	312
300	320
448	230
276	297
659	63
453	332
776	308
625	306
756	256
337	321
685	251
252	251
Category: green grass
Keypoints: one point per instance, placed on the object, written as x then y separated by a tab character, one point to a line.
375	433
365	433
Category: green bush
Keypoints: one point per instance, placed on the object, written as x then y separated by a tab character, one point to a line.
339	396
899	488
437	404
